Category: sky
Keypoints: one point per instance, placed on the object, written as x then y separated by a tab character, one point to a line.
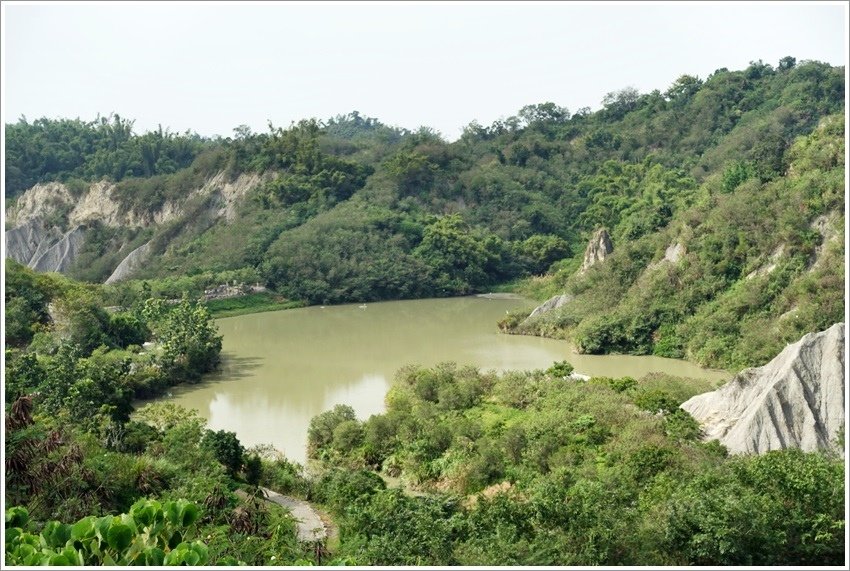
210	67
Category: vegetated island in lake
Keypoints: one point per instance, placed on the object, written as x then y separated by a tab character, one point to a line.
716	210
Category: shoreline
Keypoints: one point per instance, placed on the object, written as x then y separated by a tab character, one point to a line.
249	307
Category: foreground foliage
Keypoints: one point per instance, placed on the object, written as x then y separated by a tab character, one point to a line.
151	534
91	481
539	469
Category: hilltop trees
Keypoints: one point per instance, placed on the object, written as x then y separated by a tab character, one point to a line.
104	148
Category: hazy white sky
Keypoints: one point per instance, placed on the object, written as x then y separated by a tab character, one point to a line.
211	67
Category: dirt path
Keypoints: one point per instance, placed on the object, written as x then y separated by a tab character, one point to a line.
311	528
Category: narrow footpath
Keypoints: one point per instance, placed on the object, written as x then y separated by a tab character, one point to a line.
311	529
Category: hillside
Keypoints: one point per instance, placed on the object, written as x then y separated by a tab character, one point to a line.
746	269
536	468
731	168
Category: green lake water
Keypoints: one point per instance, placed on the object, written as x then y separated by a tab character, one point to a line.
280	369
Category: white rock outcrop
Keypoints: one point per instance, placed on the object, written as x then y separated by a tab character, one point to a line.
232	193
27	242
60	256
98	204
825	225
131	263
674	253
597	249
551	303
49	247
796	400
43	248
37	202
772	262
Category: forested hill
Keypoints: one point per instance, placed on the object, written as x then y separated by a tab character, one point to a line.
733	168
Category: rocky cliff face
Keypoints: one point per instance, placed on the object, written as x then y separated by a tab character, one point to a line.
44	201
597	249
38	203
27	242
60	256
97	204
796	400
46	247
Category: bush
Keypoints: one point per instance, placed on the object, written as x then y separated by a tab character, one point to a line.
253	469
561	370
340	489
320	433
654	400
137	436
126	329
347	436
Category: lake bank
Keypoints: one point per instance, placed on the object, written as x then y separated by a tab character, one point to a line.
248	304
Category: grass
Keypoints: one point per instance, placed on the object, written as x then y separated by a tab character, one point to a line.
537	288
251	303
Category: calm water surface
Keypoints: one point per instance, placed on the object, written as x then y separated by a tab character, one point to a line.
280	369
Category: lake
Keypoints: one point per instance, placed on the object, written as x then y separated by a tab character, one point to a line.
280	369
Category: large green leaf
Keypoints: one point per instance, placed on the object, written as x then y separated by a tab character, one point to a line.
56	534
154	556
17	516
176	540
172	512
83	529
58	560
119	536
189	514
102	526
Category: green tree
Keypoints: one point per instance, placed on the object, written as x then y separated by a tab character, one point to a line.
787	63
683	88
187	334
455	255
322	427
538	252
413	172
226	448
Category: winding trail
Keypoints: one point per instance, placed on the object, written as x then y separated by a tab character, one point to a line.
310	526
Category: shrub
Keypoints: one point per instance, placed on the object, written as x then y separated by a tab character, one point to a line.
226	448
321	430
560	369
